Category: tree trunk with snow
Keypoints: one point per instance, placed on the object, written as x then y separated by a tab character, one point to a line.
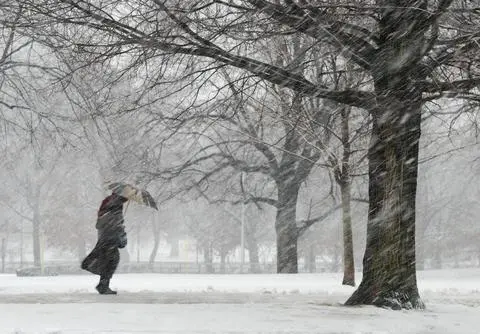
389	266
286	228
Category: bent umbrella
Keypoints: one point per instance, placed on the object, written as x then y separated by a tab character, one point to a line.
133	193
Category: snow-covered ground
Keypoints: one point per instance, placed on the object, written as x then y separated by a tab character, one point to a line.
306	303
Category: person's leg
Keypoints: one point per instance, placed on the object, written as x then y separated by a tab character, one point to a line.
112	259
103	286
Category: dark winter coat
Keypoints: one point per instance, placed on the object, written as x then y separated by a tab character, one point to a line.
104	258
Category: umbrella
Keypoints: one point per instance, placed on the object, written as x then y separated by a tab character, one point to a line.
133	193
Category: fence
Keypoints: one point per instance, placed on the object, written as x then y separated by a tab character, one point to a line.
73	268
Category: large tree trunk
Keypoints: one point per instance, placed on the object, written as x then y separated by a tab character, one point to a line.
389	273
286	229
348	259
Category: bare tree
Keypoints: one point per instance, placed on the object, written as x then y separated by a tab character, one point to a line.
72	194
32	186
349	129
215	231
413	52
269	143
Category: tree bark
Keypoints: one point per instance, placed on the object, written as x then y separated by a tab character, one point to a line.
389	270
348	259
286	229
345	181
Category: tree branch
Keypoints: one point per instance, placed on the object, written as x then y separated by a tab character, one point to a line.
453	86
360	50
274	74
303	225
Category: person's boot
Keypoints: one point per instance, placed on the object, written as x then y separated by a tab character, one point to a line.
103	287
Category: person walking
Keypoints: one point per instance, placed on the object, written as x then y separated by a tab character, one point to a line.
105	256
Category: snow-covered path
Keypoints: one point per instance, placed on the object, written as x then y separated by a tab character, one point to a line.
151	303
231	318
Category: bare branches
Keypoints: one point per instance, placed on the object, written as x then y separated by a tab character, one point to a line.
314	23
195	45
256	200
303	225
455	86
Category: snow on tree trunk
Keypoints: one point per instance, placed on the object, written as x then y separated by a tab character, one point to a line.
389	270
286	228
389	264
